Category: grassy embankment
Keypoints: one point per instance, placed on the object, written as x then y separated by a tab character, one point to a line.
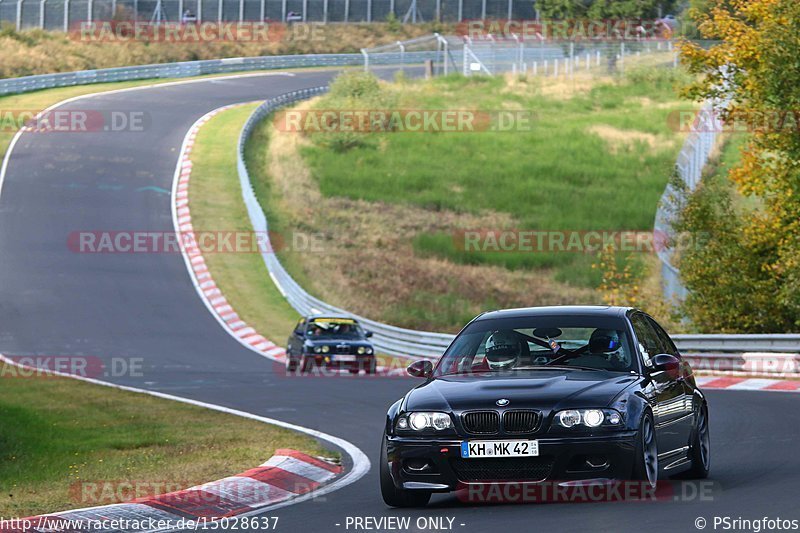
390	206
58	433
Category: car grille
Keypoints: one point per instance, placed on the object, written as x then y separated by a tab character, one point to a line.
343	349
502	469
482	422
520	421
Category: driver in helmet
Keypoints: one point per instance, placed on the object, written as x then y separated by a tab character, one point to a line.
503	350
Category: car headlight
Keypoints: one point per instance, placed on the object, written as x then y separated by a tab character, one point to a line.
326	349
369	350
590	418
361	350
317	349
424	420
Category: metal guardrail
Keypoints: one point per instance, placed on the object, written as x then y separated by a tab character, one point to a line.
402	342
199	68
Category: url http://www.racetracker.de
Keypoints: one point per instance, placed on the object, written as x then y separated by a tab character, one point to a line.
257	523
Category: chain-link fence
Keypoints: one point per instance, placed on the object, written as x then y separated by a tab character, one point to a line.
64	14
692	159
492	55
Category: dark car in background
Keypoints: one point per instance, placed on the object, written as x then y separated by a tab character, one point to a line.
325	341
560	395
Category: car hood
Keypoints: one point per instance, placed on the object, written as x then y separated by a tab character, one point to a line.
332	341
540	389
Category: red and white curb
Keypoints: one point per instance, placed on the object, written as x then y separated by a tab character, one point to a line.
202	278
196	263
287	474
737	383
287	478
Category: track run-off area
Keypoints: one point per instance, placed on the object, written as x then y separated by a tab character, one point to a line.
56	302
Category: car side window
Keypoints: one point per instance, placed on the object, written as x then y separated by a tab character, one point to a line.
665	341
649	345
299	327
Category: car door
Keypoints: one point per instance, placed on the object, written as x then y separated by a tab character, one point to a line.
294	346
668	406
685	420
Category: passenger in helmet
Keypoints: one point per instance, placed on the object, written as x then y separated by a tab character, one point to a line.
503	350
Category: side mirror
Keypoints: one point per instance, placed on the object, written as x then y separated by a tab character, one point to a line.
368	334
420	369
667	363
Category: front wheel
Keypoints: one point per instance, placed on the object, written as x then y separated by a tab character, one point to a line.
700	453
306	364
393	496
645	466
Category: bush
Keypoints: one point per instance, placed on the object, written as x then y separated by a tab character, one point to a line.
657	77
358	91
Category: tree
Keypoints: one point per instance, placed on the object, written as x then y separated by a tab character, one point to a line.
604	9
757	66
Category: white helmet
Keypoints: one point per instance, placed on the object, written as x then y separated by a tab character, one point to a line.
503	350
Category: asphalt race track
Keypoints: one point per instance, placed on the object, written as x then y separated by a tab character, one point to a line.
57	302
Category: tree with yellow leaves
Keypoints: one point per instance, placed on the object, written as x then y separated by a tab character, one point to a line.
749	277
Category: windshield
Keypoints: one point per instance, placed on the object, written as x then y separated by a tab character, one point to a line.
321	328
500	345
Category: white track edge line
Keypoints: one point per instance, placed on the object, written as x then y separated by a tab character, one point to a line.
361	463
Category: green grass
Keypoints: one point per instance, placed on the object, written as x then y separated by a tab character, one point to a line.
559	175
57	433
216	205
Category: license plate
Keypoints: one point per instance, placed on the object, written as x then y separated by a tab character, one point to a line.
499	448
344	358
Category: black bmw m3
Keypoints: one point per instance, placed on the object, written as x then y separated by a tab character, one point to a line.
560	395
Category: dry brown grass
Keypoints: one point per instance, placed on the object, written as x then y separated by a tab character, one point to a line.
37	52
618	139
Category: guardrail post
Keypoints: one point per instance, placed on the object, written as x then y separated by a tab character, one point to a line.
19	15
483	9
366	59
347	10
391	7
199	11
510	8
241	10
369	10
460	10
219	11
324	11
41	14
283	10
90	10
263	10
66	16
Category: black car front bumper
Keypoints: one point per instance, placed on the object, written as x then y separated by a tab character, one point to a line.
339	362
437	465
